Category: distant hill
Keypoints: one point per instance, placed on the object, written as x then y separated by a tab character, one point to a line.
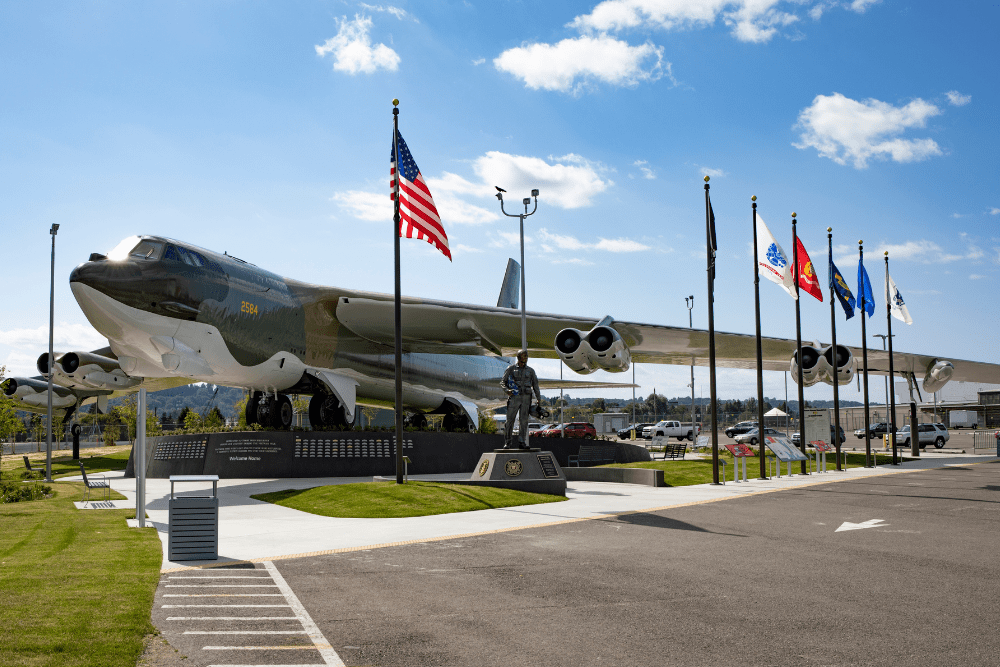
199	397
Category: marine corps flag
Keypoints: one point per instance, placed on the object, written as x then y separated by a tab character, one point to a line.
842	291
806	273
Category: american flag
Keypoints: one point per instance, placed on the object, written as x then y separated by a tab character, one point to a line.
418	217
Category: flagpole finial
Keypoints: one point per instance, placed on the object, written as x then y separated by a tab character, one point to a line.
395	102
706	179
793	214
886	253
829	229
754	198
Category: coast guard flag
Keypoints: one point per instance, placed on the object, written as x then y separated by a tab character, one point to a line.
418	217
842	291
865	290
772	263
897	307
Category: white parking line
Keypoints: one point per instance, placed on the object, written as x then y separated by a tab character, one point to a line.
220	586
319	641
245	632
232	618
222	595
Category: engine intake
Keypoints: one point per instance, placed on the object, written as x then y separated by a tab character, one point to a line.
938	375
819	364
601	348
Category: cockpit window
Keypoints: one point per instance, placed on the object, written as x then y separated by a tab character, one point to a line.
135	248
189	257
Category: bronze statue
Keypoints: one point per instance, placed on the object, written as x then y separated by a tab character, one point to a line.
520	382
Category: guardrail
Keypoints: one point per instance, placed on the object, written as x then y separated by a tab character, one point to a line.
984	440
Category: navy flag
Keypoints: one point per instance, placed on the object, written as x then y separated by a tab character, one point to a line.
865	290
842	291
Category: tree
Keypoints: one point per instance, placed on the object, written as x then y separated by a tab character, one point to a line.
192	421
214	418
10	425
182	415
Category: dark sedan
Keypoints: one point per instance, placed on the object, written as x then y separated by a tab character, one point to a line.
626	432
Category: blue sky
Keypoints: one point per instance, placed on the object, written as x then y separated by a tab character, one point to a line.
263	129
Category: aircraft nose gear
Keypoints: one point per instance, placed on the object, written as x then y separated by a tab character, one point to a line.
453	422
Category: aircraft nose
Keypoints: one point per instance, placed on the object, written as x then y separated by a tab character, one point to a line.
111	278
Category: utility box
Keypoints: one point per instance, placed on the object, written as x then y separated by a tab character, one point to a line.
193	522
610	422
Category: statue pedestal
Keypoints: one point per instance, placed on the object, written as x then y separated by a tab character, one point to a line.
531	470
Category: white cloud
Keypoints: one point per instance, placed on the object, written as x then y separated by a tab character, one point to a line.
861	6
975	276
574	64
400	14
563	185
373	206
957	99
572	260
27	344
846	130
750	20
995	211
501	239
462	248
455	210
479	61
377	207
646	171
565	242
957	215
353	52
929	252
712	173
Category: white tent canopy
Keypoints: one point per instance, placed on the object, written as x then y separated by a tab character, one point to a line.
775	412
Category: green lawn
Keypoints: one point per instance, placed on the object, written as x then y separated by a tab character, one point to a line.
385	500
76	586
107	458
699	471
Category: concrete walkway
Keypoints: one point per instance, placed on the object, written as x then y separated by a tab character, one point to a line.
253	530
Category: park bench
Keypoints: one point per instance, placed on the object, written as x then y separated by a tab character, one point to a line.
674	450
99	483
592	455
27	466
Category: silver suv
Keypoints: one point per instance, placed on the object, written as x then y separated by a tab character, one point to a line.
935	434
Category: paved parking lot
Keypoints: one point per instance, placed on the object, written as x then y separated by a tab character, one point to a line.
874	570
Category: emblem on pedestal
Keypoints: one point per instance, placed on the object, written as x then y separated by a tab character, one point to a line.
483	467
513	468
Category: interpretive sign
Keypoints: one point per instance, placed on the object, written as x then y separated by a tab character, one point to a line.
740	450
821	446
782	449
817	423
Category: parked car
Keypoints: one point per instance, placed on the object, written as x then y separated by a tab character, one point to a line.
926	434
673	429
626	432
572	430
752	436
877	430
532	427
740	428
843	438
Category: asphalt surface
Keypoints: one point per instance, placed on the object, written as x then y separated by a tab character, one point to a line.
763	580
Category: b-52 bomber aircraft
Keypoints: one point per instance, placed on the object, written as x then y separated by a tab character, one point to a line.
175	314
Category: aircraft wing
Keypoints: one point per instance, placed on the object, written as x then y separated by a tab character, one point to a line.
453	328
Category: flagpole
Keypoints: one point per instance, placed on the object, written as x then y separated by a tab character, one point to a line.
892	377
834	355
760	360
397	304
710	254
864	353
798	341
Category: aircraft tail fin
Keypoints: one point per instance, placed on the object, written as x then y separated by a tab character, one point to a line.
509	294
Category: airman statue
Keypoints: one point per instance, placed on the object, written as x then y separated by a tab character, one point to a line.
520	382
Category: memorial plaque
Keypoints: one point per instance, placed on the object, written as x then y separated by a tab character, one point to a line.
783	449
740	451
821	446
548	465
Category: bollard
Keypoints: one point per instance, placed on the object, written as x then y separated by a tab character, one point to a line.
722	462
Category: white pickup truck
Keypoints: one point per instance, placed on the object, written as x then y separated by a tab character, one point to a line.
671	429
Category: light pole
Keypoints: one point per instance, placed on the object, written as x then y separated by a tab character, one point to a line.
689	301
52	312
521	217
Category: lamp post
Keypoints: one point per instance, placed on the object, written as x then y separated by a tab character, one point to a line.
689	302
52	311
888	421
521	217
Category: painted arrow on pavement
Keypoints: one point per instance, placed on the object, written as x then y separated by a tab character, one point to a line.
871	523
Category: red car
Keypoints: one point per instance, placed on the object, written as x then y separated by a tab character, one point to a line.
572	429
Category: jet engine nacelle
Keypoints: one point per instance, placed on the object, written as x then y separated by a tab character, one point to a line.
34	393
600	348
92	370
818	364
938	375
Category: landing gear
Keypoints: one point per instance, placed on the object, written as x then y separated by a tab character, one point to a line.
416	420
461	423
269	411
326	412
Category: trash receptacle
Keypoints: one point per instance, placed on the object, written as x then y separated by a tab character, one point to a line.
193	524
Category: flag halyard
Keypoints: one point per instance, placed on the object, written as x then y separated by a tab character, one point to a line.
418	216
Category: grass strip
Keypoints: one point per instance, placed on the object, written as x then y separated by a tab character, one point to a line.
387	500
77	585
12	467
699	471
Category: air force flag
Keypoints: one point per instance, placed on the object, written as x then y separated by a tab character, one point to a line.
896	304
772	263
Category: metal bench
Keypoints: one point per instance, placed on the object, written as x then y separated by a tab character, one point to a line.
674	450
592	455
99	482
27	466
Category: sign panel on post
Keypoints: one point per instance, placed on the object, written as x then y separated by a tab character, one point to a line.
817	423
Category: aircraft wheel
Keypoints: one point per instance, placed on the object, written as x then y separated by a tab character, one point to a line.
251	410
450	422
283	413
325	412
